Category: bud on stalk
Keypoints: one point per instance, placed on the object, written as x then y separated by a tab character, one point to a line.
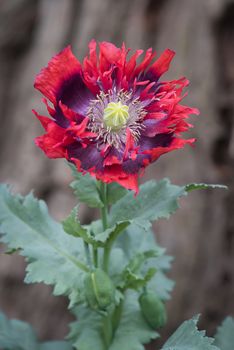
153	309
99	290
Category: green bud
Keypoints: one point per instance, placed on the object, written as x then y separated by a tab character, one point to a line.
99	290
153	310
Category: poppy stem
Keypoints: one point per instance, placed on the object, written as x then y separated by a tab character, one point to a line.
104	214
88	257
95	257
104	209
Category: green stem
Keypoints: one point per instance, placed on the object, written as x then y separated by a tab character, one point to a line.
106	257
116	317
87	253
110	321
95	257
95	253
104	213
104	209
107	331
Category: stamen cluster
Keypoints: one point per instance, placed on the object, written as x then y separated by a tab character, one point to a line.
132	115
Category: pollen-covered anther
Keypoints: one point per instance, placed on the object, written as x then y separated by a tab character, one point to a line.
115	115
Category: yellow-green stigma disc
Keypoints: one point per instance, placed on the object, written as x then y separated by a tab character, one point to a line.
115	115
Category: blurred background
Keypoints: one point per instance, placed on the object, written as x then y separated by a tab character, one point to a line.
200	235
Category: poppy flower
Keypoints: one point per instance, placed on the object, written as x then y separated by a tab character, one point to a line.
111	115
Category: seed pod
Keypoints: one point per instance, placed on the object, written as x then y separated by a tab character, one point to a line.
99	289
153	310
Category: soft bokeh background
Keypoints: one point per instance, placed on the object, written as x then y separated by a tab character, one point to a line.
200	235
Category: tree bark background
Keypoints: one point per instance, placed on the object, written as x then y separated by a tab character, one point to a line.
200	235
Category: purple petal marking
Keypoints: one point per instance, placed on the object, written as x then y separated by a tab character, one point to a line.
150	75
153	127
146	143
89	156
75	94
60	119
133	166
114	152
160	140
140	88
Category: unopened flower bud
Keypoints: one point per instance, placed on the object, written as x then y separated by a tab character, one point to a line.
99	290
153	309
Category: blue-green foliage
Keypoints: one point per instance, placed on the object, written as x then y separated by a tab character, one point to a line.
188	337
55	255
224	338
131	334
18	335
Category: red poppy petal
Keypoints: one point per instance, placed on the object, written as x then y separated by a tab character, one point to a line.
131	64
116	174
149	55
161	65
177	143
109	51
60	68
45	121
50	147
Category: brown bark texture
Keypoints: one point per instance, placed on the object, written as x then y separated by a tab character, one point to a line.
201	234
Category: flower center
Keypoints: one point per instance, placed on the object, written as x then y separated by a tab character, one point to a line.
115	115
111	114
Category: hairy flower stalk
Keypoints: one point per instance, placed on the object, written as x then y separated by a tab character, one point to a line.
112	116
